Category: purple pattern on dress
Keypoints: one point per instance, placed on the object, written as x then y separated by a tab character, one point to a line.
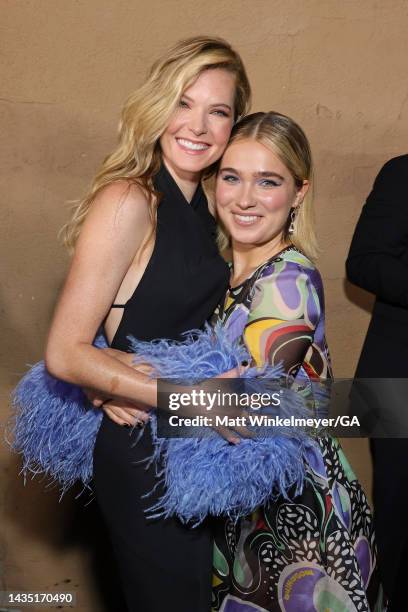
304	546
286	285
298	586
234	605
315	462
362	551
236	323
319	338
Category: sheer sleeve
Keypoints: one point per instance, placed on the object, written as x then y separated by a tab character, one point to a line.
285	311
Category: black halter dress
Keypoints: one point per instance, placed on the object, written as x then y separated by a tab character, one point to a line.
164	565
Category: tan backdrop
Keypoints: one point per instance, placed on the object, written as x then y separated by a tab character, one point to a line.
337	66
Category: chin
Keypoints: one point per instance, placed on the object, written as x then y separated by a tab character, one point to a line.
193	164
244	239
244	234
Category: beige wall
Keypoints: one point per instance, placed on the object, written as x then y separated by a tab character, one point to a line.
337	66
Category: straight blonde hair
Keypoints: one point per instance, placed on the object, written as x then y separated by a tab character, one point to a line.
147	113
286	139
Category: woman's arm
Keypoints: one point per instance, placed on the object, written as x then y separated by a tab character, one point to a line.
285	311
112	235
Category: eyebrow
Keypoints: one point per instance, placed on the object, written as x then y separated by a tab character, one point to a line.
212	105
265	174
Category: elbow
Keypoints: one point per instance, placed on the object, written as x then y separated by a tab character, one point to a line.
352	270
56	361
363	273
54	364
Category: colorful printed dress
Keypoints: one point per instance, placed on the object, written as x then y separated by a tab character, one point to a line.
316	552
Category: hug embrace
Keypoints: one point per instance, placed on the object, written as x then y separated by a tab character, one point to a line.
193	175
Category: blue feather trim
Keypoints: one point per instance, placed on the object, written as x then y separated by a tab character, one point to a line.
55	430
208	476
54	427
201	355
211	477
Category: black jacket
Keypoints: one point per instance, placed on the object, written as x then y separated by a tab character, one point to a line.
378	262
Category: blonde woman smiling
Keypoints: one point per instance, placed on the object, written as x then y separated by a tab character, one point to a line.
146	264
314	551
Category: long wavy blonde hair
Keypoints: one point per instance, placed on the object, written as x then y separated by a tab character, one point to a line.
147	113
286	139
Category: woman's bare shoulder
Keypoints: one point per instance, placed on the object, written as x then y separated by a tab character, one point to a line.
117	222
124	196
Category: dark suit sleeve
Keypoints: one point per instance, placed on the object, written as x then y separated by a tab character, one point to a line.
375	261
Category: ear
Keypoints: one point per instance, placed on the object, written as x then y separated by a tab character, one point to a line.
301	193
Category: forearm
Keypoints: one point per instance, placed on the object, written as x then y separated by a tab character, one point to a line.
111	374
87	366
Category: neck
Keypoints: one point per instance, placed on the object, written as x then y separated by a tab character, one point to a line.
247	258
186	181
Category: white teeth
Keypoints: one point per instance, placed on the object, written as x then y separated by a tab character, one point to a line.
194	146
246	218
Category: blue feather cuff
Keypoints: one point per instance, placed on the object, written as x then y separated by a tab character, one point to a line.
54	428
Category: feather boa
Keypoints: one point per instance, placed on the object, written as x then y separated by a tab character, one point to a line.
54	429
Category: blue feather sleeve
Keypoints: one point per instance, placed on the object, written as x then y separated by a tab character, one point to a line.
54	427
208	476
55	431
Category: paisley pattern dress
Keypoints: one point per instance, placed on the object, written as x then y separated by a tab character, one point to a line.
316	551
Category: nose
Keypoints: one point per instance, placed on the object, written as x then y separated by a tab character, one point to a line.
246	197
198	122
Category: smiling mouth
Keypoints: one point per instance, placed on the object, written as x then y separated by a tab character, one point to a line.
246	219
189	145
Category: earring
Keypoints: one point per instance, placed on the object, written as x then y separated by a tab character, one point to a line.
292	217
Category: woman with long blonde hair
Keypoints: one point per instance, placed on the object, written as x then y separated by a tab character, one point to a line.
146	264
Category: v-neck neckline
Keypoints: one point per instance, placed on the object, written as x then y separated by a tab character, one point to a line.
165	176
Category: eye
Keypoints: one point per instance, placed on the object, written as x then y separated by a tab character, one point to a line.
229	178
220	113
183	104
269	183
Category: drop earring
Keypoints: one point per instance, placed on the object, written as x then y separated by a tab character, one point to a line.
291	228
